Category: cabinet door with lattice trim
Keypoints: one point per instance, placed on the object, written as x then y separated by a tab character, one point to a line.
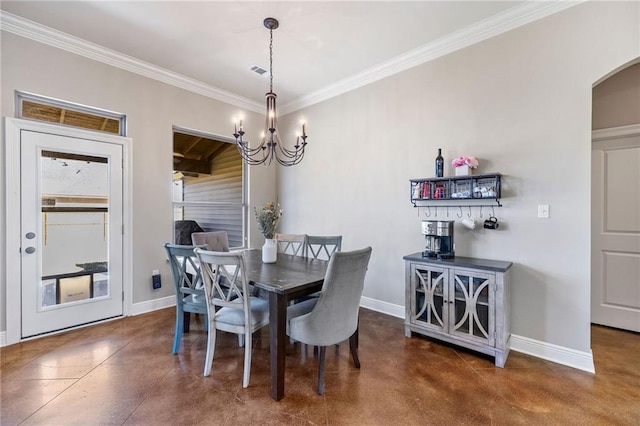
428	293
472	306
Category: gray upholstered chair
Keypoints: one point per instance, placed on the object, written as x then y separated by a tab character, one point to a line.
215	241
334	318
323	247
295	244
230	307
187	287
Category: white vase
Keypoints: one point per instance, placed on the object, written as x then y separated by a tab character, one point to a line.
463	170
269	251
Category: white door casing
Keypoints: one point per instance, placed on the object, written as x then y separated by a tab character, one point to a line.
615	228
15	129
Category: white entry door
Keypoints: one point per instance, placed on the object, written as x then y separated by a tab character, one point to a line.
615	229
71	252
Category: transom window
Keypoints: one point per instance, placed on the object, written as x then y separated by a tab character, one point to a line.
36	107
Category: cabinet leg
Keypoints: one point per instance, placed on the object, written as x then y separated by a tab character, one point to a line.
407	331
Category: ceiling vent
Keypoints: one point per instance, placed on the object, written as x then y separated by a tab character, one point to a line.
259	70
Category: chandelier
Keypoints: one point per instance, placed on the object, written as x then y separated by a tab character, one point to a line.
270	146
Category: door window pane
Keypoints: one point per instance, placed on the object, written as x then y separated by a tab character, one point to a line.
75	207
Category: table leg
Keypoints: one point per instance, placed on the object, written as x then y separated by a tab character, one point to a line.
277	339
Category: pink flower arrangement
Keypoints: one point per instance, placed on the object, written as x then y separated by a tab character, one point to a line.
465	161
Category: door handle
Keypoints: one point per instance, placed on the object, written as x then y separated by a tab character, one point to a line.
30	250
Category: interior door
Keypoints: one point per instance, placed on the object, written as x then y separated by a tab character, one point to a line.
71	231
615	232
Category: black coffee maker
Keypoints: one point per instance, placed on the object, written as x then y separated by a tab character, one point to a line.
438	239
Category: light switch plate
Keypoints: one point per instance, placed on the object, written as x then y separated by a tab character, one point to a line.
543	211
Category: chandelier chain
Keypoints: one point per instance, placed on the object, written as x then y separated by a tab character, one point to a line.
271	60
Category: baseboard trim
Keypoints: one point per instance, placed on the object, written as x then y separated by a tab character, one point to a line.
554	353
382	307
548	351
152	305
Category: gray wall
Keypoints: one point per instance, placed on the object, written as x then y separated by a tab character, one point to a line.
521	103
152	108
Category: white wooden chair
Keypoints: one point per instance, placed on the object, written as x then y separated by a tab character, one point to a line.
237	311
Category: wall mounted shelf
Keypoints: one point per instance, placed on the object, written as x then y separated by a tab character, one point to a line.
457	191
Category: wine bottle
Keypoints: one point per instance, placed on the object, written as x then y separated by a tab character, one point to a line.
439	164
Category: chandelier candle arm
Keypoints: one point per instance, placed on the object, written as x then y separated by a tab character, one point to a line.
270	146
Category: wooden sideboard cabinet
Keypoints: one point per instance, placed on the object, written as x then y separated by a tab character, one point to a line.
464	301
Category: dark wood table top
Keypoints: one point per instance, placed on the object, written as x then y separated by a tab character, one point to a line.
288	274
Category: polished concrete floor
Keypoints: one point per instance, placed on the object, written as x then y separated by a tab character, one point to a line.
123	372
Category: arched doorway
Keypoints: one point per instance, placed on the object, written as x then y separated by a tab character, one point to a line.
615	190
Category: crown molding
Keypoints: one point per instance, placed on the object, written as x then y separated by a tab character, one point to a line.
25	28
480	31
483	30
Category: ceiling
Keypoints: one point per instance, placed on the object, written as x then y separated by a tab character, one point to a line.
192	154
318	46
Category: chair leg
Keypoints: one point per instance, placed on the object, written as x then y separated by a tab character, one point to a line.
323	349
187	321
240	340
179	326
357	338
211	347
247	358
353	345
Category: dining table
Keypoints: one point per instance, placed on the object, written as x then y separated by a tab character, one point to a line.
289	278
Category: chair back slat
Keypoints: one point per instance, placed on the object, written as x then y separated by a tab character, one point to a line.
184	267
294	244
323	247
225	283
